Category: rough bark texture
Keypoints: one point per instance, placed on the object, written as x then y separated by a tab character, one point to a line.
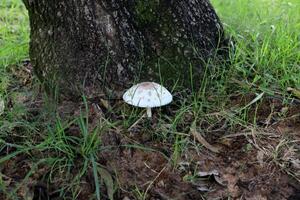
98	46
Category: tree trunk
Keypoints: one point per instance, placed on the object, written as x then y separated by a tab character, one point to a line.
102	46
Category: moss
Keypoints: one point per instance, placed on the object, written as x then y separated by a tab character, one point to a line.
147	11
155	19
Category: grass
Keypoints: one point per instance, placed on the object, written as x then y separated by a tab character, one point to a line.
267	41
14	32
264	62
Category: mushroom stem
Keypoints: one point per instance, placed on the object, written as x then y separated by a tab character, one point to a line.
149	113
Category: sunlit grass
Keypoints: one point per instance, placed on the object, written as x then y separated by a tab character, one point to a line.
14	32
267	40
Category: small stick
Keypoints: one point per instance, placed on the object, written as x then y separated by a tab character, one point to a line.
135	123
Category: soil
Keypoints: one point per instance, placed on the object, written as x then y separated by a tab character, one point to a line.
256	163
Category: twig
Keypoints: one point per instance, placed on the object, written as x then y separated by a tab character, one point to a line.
152	182
246	134
137	121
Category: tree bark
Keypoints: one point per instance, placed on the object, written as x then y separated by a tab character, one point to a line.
101	46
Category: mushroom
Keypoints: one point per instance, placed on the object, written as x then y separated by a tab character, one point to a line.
147	95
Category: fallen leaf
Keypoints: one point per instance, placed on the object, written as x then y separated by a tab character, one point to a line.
219	180
200	139
104	103
226	141
284	110
109	183
208	173
203	188
295	92
215	174
232	187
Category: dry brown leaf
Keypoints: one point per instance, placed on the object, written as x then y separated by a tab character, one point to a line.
213	173
294	91
108	181
232	187
105	103
200	139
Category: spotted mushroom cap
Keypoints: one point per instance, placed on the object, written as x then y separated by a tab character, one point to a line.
147	95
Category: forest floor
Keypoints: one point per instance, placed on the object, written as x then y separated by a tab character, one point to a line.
235	137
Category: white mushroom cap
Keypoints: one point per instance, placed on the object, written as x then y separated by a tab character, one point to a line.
147	95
